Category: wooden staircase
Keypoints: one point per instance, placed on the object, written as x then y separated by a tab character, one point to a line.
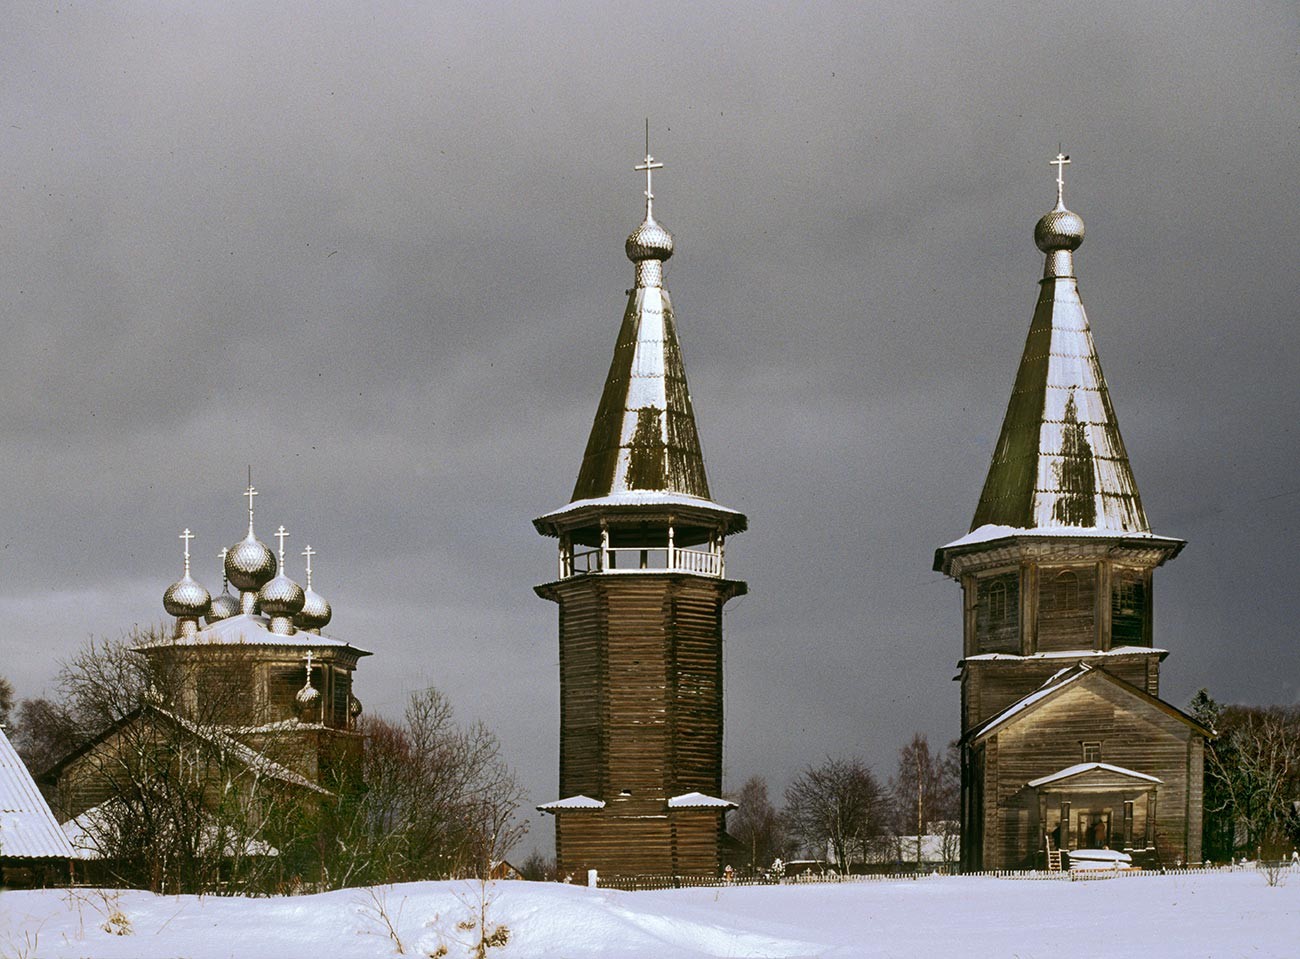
1053	857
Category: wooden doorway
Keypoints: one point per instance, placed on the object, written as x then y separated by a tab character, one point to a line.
1094	830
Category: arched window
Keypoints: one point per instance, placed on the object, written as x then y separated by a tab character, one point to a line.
1065	595
997	604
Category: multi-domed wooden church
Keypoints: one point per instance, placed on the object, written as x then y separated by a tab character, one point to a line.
251	673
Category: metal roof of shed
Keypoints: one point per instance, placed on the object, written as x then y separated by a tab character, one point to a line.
28	829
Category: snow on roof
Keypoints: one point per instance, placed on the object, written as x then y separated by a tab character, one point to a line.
641	497
250	757
989	532
27	827
96	824
1073	653
573	802
697	800
1080	768
255	630
1073	673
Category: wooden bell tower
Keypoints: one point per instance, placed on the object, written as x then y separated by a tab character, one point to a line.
641	583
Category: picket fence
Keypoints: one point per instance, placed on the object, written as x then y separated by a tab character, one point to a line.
650	883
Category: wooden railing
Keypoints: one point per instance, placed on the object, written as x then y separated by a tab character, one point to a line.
633	559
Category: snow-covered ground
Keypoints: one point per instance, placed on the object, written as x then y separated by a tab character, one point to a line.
1212	915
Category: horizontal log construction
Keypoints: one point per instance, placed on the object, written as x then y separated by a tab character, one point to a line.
641	719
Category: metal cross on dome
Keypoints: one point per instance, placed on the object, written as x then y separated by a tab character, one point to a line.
250	493
649	166
308	658
280	534
187	536
1061	162
309	553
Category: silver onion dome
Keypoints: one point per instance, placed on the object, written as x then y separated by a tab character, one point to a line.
223	607
354	706
186	599
281	597
250	564
316	612
307	697
649	241
1061	229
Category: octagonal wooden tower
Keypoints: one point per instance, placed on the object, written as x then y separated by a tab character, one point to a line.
641	583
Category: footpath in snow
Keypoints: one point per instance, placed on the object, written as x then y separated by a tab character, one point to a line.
1214	915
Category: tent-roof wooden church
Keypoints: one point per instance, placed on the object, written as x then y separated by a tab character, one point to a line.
1065	741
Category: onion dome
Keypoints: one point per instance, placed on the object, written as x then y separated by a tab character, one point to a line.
225	605
316	612
649	241
250	564
185	599
281	598
1061	229
307	699
308	696
354	706
1059	232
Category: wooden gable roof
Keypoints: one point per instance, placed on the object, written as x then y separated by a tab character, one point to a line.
1081	673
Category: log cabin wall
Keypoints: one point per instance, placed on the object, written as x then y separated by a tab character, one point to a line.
1132	734
641	719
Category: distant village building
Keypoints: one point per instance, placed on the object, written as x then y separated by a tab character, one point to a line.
250	681
1065	741
641	583
33	850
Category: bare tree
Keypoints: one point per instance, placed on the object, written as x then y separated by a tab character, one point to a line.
757	826
439	801
167	795
538	867
924	792
44	732
1253	775
6	699
839	804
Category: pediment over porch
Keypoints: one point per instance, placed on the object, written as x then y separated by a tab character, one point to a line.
1094	776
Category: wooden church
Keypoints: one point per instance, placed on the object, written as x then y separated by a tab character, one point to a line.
640	584
1065	741
247	677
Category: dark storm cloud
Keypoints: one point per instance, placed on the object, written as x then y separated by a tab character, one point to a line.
376	252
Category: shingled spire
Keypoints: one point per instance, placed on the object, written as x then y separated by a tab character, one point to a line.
1060	461
644	435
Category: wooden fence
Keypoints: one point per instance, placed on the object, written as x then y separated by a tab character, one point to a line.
648	883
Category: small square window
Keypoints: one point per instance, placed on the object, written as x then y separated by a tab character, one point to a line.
1092	752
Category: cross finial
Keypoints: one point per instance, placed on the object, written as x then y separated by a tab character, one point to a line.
649	166
250	492
225	582
309	553
187	536
280	534
1061	162
309	657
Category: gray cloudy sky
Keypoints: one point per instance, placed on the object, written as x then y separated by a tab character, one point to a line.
376	251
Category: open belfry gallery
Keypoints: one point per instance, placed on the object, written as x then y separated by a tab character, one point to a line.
1065	742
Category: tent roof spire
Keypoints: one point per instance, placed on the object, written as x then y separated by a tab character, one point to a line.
1060	460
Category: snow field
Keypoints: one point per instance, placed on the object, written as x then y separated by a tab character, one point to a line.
1214	915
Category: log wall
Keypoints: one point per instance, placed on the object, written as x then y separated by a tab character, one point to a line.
641	717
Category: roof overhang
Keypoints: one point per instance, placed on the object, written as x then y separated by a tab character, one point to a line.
697	800
1001	545
636	506
1094	775
577	803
